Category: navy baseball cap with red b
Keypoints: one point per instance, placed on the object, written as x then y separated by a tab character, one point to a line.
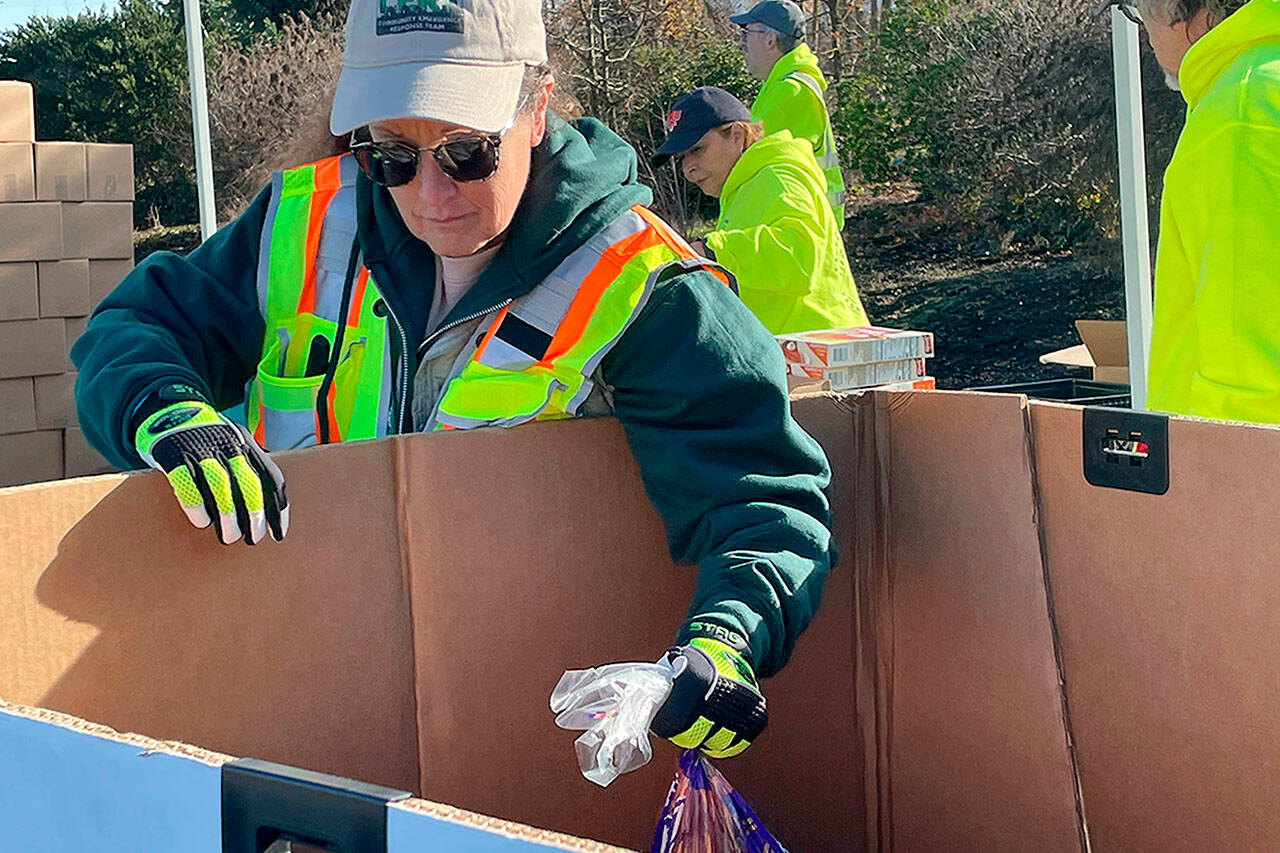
692	115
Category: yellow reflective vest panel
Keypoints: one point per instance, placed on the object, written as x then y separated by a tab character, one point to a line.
535	360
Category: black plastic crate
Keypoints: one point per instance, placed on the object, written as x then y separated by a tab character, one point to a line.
1084	392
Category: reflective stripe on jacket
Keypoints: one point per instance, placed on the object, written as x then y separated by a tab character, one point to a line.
791	99
534	361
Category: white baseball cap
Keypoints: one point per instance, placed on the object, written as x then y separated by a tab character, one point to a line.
455	61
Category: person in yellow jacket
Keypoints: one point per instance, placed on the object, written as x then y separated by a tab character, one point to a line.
1215	341
791	96
776	233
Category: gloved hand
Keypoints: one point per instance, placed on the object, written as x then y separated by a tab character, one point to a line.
715	703
219	473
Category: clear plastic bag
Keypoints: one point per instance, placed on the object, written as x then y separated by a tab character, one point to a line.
703	813
613	706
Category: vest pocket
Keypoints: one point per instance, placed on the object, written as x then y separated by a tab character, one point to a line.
485	396
289	377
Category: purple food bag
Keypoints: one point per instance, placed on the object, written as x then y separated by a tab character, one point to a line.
703	814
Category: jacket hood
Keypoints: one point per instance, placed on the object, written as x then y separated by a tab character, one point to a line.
800	58
1256	22
777	150
581	178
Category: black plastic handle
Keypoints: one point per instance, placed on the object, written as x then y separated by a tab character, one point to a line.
264	802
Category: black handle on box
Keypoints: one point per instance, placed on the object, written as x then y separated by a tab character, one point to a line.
1123	449
264	802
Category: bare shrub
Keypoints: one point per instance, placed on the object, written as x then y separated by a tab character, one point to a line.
269	106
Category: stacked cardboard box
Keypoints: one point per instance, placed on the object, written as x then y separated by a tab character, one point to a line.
858	358
66	213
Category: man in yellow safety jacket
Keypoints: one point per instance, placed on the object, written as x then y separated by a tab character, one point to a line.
791	96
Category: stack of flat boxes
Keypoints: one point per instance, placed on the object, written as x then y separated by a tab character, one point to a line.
66	239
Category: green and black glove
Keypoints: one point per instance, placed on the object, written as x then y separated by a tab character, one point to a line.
219	473
715	703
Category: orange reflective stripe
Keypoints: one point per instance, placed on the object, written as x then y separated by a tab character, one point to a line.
675	241
260	431
488	336
593	287
328	180
357	298
671	238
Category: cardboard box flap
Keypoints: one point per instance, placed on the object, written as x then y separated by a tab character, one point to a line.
1166	606
1076	356
297	652
1107	341
976	753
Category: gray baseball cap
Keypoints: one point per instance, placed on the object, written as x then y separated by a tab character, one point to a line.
455	61
782	16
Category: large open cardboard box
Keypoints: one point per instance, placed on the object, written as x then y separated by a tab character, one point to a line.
1006	658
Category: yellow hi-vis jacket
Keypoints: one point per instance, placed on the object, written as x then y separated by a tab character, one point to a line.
777	235
1215	340
534	362
791	99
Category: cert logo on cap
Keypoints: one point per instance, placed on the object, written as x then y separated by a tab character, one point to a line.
405	16
673	118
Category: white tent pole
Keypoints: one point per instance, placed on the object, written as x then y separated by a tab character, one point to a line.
200	117
1133	200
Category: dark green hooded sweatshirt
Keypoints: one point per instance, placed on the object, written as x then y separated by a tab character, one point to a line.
697	383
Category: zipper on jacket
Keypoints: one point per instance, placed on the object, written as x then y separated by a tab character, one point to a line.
400	355
422	348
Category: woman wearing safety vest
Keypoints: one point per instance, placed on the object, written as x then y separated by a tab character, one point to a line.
476	262
776	233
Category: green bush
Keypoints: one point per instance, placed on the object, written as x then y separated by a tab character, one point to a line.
113	76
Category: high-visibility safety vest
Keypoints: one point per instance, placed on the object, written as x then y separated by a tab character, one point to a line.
826	155
320	382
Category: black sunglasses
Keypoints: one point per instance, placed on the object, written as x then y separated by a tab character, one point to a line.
463	158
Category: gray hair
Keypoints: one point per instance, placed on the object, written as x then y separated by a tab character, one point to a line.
1177	11
787	43
534	75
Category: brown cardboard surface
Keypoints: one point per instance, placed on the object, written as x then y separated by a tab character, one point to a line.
1105	349
19	293
60	171
976	748
30	457
33	231
433	587
56	401
1167	606
80	459
64	288
97	229
110	172
540	574
17	112
296	651
104	276
17	172
17	406
33	348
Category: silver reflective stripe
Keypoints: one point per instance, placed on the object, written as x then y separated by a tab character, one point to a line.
546	305
264	247
337	233
827	158
289	430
